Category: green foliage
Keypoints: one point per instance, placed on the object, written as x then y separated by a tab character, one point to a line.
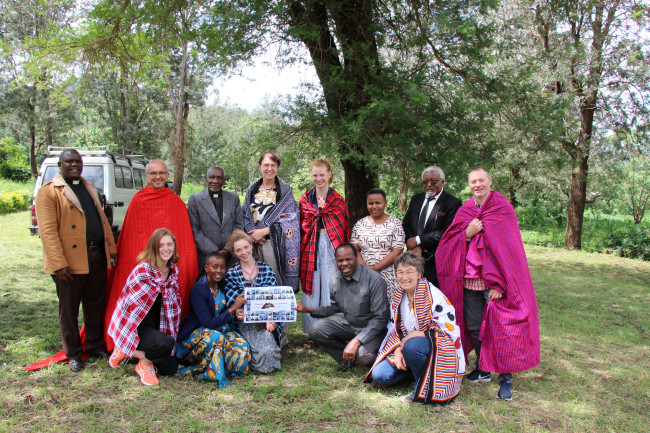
13	163
13	201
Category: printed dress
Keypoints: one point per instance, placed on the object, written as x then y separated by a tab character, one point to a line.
215	355
376	241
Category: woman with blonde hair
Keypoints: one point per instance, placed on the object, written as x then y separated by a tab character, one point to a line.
145	322
324	225
263	338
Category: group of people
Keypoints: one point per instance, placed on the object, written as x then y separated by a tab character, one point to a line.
463	282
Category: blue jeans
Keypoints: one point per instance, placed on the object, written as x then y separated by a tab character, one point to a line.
416	355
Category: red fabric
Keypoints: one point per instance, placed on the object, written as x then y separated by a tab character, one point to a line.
336	220
149	210
510	328
138	295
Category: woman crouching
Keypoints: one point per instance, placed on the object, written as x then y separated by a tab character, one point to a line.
207	339
423	340
145	322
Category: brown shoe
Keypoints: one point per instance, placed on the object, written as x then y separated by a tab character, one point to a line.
100	353
75	365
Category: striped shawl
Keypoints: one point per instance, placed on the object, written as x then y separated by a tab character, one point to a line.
436	318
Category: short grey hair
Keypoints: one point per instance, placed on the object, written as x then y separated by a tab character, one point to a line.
217	167
479	168
434	169
409	258
163	162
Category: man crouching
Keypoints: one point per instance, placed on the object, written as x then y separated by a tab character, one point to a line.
354	325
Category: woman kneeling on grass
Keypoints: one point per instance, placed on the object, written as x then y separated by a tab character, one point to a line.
145	322
207	339
422	339
264	338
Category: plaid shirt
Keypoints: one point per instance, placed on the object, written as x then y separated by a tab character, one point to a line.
235	283
336	220
138	295
235	280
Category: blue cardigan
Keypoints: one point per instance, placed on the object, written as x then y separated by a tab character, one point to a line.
202	311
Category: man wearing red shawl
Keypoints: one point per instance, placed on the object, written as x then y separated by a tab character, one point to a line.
154	207
482	269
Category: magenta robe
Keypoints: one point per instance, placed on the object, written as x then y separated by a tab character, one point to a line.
510	328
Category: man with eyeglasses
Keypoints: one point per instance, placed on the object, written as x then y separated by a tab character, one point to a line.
154	207
429	214
214	214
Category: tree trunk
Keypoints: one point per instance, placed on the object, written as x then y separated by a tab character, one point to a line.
580	159
33	148
181	109
345	83
404	188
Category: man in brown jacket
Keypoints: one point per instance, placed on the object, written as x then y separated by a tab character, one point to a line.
78	247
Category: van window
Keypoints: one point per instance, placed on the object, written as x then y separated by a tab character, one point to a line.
128	179
137	177
92	173
119	177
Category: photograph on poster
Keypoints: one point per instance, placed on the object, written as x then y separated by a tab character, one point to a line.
269	304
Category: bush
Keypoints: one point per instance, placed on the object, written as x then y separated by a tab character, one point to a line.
629	241
15	172
13	201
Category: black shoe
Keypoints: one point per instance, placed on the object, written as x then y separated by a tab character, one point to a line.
75	365
346	366
100	353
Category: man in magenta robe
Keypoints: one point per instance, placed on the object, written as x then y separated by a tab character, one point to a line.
482	269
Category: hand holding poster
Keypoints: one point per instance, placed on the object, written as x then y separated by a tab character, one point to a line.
269	304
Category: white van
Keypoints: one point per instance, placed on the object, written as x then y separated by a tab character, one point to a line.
118	174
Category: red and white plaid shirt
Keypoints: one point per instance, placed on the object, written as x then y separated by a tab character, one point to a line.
138	295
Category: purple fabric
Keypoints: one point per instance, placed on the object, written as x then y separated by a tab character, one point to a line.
510	328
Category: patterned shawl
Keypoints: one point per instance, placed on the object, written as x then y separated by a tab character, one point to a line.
436	318
140	291
336	220
282	220
510	328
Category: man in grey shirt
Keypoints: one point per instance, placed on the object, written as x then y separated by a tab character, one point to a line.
354	325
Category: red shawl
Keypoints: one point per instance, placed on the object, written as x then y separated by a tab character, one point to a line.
510	328
149	210
336	220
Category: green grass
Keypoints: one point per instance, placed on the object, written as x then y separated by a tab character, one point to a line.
594	320
7	185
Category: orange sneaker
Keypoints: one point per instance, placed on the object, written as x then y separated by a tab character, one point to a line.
147	374
116	358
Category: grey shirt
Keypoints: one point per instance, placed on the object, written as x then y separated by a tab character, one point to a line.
362	300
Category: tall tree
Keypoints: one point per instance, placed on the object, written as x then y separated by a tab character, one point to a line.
34	90
594	50
187	40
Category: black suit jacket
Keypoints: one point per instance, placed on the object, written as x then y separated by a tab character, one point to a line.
438	222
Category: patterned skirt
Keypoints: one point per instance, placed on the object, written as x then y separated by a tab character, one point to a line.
214	355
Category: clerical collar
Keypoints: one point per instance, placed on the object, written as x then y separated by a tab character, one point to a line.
215	195
72	181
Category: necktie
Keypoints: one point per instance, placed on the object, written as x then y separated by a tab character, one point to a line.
423	215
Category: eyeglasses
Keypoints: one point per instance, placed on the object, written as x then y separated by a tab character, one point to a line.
432	181
409	273
157	173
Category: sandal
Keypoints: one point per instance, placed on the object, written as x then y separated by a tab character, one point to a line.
309	344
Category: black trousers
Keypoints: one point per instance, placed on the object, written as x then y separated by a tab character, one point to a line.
88	290
157	347
474	302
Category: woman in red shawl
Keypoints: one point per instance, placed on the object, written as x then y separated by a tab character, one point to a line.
145	322
324	225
